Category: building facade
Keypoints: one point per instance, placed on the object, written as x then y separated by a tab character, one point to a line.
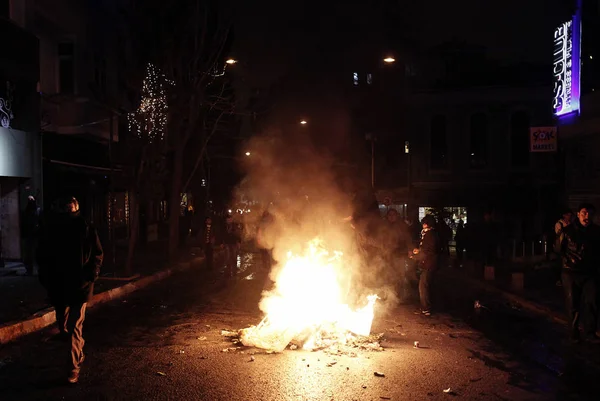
579	131
81	93
470	151
20	146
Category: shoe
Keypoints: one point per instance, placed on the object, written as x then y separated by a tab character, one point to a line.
73	377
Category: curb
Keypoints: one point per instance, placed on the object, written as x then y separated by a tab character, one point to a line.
44	318
526	304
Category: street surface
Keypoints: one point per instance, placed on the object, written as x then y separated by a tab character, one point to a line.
165	343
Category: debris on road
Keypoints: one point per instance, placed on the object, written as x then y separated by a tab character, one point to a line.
181	351
201	338
293	347
449	391
252	359
379	374
416	344
383	397
364	386
478	305
203	357
229	333
330	364
161	373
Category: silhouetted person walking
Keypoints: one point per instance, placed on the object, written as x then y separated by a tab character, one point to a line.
69	259
579	245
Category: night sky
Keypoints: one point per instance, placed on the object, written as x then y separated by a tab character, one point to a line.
278	33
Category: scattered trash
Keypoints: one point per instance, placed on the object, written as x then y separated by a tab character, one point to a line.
181	351
161	373
416	344
293	347
252	359
229	349
478	305
364	386
379	374
203	357
330	364
229	333
383	397
202	338
448	391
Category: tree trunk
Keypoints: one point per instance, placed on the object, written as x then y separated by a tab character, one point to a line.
175	201
134	232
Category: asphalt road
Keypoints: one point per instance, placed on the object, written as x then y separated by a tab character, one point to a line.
165	343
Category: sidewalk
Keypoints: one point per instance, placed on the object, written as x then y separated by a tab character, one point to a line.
22	296
540	293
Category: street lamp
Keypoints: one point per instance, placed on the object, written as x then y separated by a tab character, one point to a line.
230	61
389	60
303	122
248	153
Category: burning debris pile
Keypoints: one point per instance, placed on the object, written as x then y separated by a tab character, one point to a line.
306	308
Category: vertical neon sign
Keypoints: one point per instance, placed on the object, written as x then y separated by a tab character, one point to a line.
567	66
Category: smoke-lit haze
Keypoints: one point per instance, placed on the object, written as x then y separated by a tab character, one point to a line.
307	200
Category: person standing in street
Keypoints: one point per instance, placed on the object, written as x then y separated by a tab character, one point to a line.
232	239
29	228
561	224
428	256
69	259
396	245
208	242
579	245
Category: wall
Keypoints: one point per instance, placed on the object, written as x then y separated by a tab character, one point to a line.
9	218
17	151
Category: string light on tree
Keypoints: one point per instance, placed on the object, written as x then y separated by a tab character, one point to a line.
149	121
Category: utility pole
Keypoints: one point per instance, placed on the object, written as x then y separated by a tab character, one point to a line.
111	192
371	137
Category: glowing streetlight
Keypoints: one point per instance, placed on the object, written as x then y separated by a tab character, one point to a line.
389	60
248	153
303	122
230	61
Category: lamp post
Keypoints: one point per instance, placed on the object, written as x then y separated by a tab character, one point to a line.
371	137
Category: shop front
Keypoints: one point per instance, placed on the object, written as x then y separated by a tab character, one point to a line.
20	150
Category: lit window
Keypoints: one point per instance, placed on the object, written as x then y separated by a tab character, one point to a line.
355	76
369	79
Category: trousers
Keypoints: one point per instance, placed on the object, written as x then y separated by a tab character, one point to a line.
70	323
580	299
425	288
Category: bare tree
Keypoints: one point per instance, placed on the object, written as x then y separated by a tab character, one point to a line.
186	41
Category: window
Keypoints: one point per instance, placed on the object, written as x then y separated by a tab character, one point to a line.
439	143
478	149
519	139
369	79
66	67
355	78
5	8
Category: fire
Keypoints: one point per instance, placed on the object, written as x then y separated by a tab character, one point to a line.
307	304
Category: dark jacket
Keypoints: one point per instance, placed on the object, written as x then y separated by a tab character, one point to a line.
429	250
69	258
580	248
232	234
